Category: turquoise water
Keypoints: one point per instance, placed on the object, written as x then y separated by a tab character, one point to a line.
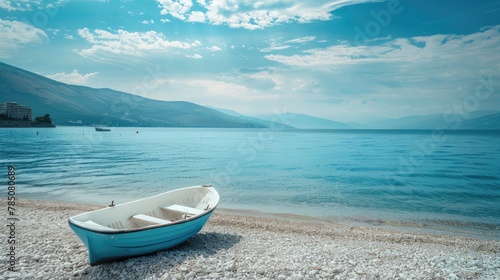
437	180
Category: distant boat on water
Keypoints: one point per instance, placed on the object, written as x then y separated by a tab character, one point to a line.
146	225
100	128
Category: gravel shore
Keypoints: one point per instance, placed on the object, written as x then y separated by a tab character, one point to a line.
236	246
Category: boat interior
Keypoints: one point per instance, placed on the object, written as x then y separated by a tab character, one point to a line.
160	216
164	215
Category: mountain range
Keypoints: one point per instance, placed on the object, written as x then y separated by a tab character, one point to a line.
477	120
302	121
79	105
481	119
71	104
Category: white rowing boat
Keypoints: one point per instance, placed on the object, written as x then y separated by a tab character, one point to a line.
144	226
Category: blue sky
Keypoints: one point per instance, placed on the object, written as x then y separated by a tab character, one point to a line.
345	60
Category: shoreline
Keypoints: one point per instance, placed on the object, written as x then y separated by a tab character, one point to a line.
447	227
24	124
237	245
453	228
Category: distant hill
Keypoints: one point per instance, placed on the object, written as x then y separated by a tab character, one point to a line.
271	122
486	120
476	120
71	104
491	122
306	122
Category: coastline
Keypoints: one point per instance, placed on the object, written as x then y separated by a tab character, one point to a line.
450	227
24	124
242	245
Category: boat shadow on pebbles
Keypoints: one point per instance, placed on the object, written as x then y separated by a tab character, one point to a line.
198	248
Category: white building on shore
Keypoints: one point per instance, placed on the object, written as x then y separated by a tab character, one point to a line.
13	110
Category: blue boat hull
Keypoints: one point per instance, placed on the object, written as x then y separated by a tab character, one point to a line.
106	247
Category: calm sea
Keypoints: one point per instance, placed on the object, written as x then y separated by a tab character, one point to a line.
425	180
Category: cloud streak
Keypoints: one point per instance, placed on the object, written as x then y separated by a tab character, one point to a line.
19	5
418	50
253	14
72	78
123	42
16	35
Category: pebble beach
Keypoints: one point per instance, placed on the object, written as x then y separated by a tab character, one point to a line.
239	245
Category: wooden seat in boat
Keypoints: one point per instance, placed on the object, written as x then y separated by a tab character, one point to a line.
183	209
150	219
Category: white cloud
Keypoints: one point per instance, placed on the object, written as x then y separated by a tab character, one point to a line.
333	56
302	40
19	5
128	43
214	48
62	2
72	78
53	31
16	35
176	8
147	21
274	47
202	2
196	16
443	49
195	56
196	43
254	14
6	5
